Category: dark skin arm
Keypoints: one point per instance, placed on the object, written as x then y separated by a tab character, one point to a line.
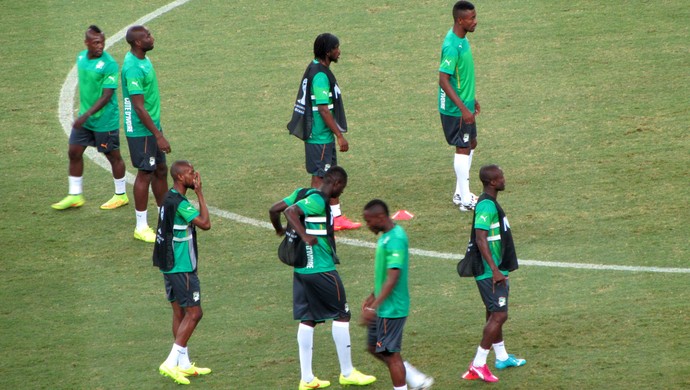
138	105
372	303
274	214
444	83
202	221
100	103
483	246
293	214
330	122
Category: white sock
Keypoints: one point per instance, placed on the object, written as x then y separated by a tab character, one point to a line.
120	185
341	337
171	361
462	172
500	350
142	219
480	358
335	210
462	176
183	359
305	341
470	162
75	187
412	375
403	387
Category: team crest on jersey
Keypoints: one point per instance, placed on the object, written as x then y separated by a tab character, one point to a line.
100	64
501	301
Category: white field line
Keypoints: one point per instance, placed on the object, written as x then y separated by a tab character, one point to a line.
66	114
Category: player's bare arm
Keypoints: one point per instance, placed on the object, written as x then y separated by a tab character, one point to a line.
444	83
330	122
138	105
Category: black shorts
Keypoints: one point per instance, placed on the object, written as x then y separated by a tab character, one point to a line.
495	296
458	133
318	297
386	334
183	287
104	141
319	158
144	153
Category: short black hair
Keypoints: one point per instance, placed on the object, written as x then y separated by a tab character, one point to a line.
177	166
131	36
488	173
92	29
335	173
377	203
460	7
324	43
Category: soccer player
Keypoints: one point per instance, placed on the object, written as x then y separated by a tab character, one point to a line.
98	123
177	221
147	144
495	243
387	308
318	292
456	99
328	123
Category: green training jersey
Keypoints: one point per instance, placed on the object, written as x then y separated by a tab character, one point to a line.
392	252
456	60
139	78
95	75
320	94
486	218
314	208
185	259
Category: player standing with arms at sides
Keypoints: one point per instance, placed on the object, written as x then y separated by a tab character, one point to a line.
387	308
495	243
318	293
327	122
176	239
456	99
98	123
147	145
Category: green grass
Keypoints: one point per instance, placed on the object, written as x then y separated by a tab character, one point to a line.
584	106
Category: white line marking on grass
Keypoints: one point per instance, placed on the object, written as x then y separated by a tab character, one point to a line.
66	113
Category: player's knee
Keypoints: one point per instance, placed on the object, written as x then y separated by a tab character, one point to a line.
195	313
161	171
74	154
345	317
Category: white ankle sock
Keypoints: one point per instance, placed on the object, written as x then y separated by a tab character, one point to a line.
500	350
171	361
120	185
75	186
480	357
142	219
183	359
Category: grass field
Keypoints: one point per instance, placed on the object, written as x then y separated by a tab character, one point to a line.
584	105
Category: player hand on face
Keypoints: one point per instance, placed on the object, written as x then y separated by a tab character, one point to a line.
197	182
